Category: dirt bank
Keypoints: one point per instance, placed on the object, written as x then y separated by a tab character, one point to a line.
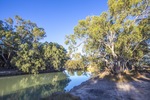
104	89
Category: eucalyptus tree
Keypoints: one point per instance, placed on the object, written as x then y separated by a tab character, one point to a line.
78	62
20	47
116	39
6	41
18	38
29	59
54	55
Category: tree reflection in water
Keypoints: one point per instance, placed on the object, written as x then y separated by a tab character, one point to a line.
77	73
30	87
77	77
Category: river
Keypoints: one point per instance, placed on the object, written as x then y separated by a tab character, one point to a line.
34	87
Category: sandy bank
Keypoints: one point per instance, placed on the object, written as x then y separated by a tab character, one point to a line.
104	89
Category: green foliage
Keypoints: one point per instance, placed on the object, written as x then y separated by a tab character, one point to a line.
29	58
77	63
20	47
116	39
54	55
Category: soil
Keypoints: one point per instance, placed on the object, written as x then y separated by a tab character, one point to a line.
106	89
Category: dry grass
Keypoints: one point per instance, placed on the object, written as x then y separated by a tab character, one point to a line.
130	85
126	76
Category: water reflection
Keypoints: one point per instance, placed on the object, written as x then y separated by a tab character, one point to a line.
29	87
77	77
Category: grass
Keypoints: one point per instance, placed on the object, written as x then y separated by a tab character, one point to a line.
122	77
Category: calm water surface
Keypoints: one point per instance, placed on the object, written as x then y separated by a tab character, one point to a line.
31	87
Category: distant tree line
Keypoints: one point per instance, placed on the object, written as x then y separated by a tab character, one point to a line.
21	49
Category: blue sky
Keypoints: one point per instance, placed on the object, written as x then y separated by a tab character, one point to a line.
57	17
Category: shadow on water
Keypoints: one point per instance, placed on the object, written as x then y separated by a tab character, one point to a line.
31	87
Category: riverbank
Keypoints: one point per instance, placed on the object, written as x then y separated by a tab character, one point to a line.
107	89
4	73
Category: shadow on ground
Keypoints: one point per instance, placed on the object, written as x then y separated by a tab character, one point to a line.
107	89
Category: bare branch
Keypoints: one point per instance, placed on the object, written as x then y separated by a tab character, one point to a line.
141	13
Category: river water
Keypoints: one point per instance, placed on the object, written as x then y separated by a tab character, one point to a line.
34	87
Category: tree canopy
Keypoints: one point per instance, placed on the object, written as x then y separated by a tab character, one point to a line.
117	39
20	47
